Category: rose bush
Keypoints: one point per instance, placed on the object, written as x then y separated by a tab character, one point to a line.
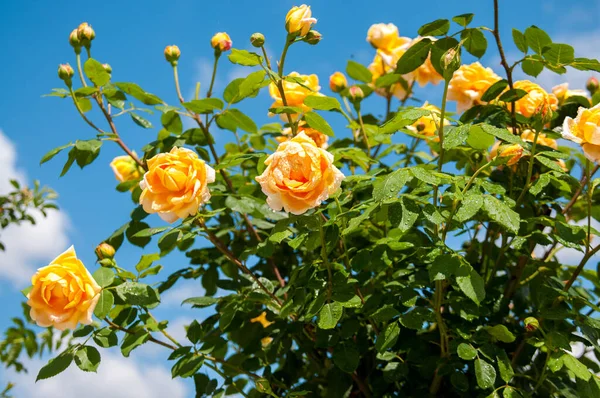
347	263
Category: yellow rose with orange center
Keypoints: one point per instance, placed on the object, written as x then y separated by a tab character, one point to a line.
176	184
299	20
63	294
299	176
468	84
585	130
319	138
125	168
221	41
537	100
429	125
294	92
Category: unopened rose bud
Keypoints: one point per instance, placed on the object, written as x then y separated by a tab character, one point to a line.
592	85
172	54
105	251
450	63
65	73
299	20
338	82
257	40
221	42
85	34
107	68
74	41
531	324
313	37
356	93
510	153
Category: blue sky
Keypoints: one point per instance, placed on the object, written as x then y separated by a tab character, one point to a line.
131	37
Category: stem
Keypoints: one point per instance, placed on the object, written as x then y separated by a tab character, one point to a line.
151	338
288	43
437	307
324	257
176	77
579	268
164	331
364	133
80	69
411	150
543	375
583	181
197	93
529	169
214	74
83	114
589	206
441	137
267	60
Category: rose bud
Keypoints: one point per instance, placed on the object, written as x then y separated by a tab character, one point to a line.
531	324
313	37
85	34
105	251
356	93
510	153
299	20
74	41
107	68
257	39
592	85
65	73
338	82
220	42
172	54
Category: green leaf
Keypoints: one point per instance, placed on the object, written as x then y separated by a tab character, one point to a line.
540	184
456	136
132	341
559	54
501	213
501	333
55	366
580	370
479	139
346	357
138	93
403	119
187	366
494	90
520	40
232	119
104	305
140	121
388	80
95	72
250	85
474	42
443	267
359	72
532	65
329	315
322	103
171	121
106	338
243	57
466	351
318	123
87	358
470	205
513	95
586	64
414	57
388	337
50	154
146	261
389	186
204	106
485	374
470	283
537	39
436	28
147	232
135	293
203	301
502	134
505	367
104	276
463	19
425	175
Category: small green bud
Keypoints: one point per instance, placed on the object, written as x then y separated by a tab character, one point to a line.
356	93
74	41
257	39
592	85
105	251
450	63
65	73
313	37
172	54
531	324
86	34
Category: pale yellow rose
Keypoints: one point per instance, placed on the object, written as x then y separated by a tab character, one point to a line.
385	63
337	82
512	152
383	36
429	125
221	41
63	294
176	184
562	92
299	176
294	92
299	20
585	130
537	100
425	73
468	84
125	168
319	138
529	136
262	319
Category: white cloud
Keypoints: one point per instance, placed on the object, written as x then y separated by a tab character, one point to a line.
117	377
181	291
27	245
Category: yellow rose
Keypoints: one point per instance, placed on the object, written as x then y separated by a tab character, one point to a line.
468	84
175	184
536	101
125	168
562	92
385	63
265	341
63	294
512	153
299	176
299	20
338	82
319	138
383	36
425	73
294	92
529	136
262	319
429	125
585	130
221	41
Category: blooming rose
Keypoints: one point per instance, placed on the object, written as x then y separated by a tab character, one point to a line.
385	63
562	92
63	294
512	153
125	168
468	84
221	41
299	176
585	130
175	184
337	82
529	136
428	125
425	73
536	101
383	36
319	138
299	20
294	92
